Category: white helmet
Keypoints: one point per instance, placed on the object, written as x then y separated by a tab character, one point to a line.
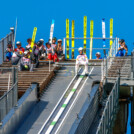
59	40
41	40
98	53
80	49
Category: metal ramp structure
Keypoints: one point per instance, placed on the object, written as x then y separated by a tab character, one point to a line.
69	103
51	99
83	113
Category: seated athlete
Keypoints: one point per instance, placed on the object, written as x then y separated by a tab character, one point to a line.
123	50
25	63
19	48
59	48
9	51
42	50
35	55
28	47
17	54
51	55
54	42
98	55
81	60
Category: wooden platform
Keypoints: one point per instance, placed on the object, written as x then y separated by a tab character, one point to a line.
41	75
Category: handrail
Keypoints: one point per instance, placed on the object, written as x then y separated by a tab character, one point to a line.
110	110
111	50
10	97
92	38
3	45
8	100
9	90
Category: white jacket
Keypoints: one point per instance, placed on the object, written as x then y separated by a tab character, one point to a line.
81	59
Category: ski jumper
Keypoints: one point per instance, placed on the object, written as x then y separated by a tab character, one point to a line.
81	60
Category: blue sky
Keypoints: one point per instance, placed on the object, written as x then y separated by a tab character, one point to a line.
40	13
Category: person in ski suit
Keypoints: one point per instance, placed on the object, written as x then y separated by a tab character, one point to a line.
122	50
81	59
59	48
54	43
51	55
35	55
42	51
28	47
19	48
9	51
17	54
25	63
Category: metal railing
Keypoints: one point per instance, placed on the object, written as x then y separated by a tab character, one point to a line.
105	66
111	66
3	45
132	63
8	90
97	45
111	108
8	101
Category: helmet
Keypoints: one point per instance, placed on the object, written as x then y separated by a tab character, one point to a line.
98	53
54	38
80	49
39	43
42	40
121	40
59	40
18	43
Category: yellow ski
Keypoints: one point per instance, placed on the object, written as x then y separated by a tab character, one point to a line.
111	35
33	37
91	37
73	34
67	36
85	33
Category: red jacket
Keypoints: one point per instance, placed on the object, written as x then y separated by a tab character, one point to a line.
21	49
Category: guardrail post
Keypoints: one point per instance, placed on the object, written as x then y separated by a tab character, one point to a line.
2	50
106	69
64	46
132	93
13	75
38	90
132	64
7	38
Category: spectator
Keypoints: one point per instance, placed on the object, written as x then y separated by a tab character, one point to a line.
54	42
17	54
42	50
42	40
51	55
59	48
25	63
28	47
9	51
81	59
123	50
35	55
98	55
19	48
